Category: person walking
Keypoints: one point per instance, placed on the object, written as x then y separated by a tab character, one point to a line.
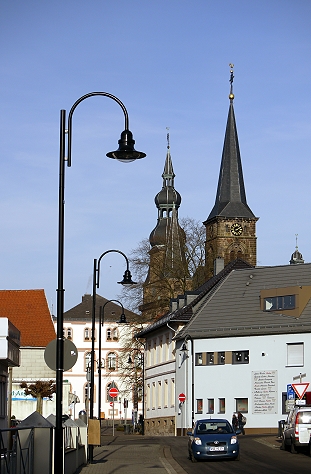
235	422
241	422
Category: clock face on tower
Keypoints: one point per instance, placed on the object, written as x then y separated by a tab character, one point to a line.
236	229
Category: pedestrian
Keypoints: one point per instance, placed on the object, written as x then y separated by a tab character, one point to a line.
241	422
235	422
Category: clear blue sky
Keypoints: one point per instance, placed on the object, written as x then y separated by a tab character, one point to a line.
168	62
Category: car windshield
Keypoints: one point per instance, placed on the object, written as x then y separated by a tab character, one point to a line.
220	427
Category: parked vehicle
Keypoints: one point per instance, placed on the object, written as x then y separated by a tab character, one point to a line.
297	429
213	438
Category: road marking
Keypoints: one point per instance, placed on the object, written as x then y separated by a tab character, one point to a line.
267	443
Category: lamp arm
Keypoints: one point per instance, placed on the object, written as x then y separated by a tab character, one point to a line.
102	255
86	96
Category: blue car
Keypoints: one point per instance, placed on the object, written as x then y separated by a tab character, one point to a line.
213	439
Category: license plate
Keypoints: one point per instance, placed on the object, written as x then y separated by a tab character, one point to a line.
217	448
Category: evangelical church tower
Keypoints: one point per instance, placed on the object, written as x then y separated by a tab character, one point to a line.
168	271
231	225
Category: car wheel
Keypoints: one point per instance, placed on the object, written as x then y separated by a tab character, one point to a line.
293	449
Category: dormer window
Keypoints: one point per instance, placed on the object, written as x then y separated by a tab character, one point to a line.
277	303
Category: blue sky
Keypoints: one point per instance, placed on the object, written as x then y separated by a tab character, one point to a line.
167	61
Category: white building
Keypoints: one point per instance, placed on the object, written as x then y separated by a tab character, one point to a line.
238	344
116	348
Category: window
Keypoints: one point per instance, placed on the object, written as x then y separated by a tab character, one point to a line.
277	303
108	333
112	361
241	404
210	405
165	394
295	354
67	333
198	358
240	357
221	358
115	334
87	334
210	358
199	405
87	361
221	405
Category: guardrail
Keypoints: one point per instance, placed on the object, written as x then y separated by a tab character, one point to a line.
16	455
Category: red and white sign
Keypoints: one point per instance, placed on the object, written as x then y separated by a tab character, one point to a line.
113	392
111	404
300	389
182	397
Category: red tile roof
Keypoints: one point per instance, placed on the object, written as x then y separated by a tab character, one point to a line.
29	312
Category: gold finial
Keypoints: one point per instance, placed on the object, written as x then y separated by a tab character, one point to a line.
231	95
168	138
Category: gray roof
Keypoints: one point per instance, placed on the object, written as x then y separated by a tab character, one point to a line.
184	314
231	198
233	309
83	311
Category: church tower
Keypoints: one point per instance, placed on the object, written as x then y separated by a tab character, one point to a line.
168	271
231	225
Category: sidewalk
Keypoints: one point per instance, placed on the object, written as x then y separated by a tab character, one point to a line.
129	454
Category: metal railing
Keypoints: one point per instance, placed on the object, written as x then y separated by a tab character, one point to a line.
16	455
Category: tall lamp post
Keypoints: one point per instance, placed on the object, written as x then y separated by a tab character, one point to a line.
126	153
127	280
101	323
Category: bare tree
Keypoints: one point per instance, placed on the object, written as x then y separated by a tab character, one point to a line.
39	390
166	279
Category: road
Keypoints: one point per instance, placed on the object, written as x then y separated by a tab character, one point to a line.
259	455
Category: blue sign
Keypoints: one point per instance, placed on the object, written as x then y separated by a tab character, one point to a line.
290	392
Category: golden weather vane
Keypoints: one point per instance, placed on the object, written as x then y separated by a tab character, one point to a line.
231	95
168	137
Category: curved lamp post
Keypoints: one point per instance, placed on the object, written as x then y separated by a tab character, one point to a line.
125	153
130	361
127	280
101	323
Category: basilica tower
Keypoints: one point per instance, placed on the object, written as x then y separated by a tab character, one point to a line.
168	271
231	225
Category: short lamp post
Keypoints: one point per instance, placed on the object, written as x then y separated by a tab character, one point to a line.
101	324
140	355
125	153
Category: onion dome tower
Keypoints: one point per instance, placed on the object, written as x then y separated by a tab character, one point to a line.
296	256
168	271
231	225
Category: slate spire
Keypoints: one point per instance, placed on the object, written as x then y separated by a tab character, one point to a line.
231	197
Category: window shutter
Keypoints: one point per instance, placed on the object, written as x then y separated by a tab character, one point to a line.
295	354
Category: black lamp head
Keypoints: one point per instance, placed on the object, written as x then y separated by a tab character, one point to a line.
127	279
184	347
122	319
126	151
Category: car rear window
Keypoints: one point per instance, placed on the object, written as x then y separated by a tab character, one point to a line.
304	417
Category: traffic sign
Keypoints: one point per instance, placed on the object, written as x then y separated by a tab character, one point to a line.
113	392
70	354
111	404
300	388
181	397
290	392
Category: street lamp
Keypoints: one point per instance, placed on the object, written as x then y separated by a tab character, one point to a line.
101	323
125	153
127	280
142	361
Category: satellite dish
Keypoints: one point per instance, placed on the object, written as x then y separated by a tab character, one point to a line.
70	354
